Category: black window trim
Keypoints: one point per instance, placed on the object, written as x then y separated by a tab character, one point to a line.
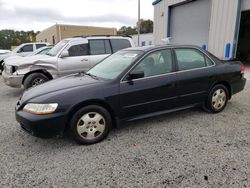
109	45
112	50
174	60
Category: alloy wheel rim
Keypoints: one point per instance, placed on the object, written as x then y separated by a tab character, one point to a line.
37	82
91	125
219	99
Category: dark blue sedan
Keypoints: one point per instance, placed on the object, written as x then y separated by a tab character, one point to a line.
129	85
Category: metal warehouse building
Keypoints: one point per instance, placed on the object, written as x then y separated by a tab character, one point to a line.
146	39
57	32
221	26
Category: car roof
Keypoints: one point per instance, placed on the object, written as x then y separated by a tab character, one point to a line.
155	47
77	38
35	43
27	43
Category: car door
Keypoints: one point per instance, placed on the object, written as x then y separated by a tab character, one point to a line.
78	59
99	49
195	75
152	93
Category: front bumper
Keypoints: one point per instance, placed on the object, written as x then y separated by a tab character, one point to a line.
43	126
12	80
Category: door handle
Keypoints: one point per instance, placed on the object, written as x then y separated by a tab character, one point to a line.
84	59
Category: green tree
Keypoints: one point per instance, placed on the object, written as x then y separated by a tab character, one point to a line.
146	26
127	31
10	38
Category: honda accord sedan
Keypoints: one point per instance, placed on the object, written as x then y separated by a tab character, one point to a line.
129	85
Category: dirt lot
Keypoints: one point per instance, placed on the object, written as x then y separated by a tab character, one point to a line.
186	149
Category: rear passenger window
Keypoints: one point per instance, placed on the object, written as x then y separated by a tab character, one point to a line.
78	50
97	47
119	44
189	59
40	45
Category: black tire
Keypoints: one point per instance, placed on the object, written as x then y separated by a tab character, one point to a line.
89	128
210	104
31	80
1	67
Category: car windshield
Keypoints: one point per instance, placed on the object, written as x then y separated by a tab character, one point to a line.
114	65
43	50
16	49
57	48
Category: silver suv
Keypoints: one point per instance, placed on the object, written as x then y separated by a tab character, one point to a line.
68	56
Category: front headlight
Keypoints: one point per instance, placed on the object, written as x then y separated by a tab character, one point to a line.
40	108
10	69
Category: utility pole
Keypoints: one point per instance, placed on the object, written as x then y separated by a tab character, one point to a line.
139	21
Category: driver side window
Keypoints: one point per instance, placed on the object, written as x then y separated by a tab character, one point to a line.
78	50
156	63
26	48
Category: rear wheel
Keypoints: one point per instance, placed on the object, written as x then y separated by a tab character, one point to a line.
217	98
90	124
34	79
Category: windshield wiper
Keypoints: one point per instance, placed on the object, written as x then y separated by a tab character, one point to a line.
49	54
81	73
92	76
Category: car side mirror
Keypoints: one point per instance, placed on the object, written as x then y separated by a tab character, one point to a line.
64	53
136	75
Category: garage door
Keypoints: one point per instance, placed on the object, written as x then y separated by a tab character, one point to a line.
189	22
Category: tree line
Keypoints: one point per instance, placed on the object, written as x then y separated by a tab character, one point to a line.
10	38
146	26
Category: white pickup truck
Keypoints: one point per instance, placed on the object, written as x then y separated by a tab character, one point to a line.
21	50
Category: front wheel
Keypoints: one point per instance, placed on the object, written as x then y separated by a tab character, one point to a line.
217	99
34	79
1	67
90	124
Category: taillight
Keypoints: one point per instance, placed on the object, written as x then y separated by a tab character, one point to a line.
242	69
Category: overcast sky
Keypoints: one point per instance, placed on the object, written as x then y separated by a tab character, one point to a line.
38	15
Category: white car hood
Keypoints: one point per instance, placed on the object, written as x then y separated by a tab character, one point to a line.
3	56
13	57
15	61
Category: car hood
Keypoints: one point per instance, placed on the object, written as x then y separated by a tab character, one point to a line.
13	57
17	61
64	83
3	56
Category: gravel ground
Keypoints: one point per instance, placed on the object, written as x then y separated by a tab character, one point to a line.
185	149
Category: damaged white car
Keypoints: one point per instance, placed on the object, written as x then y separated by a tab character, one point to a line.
68	56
